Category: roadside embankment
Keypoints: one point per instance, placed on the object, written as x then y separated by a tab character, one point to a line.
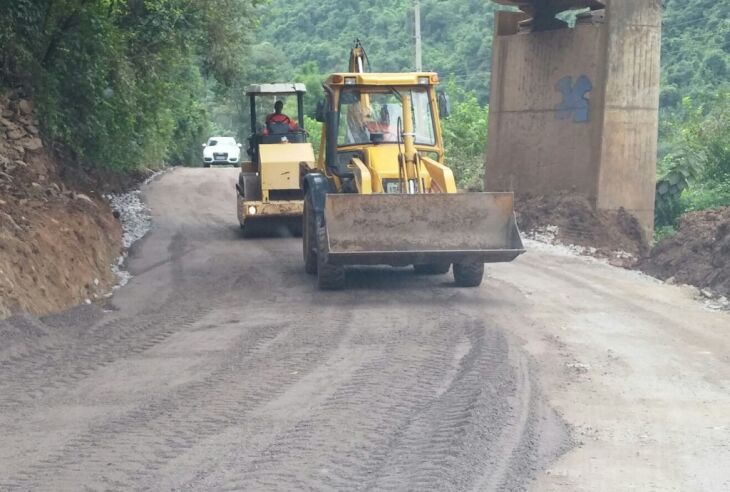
698	254
57	241
570	219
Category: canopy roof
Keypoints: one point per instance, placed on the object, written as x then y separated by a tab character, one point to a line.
289	88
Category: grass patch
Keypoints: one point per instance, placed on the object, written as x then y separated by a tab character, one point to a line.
706	195
663	232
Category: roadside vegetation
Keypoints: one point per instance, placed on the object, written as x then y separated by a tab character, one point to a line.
122	84
694	170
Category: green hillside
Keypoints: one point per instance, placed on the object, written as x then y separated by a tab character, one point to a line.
695	49
457	39
456	35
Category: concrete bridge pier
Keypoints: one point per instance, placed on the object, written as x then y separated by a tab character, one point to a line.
576	109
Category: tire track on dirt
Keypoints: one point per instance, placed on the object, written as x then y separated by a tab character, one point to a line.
39	373
225	369
173	425
410	431
52	369
284	460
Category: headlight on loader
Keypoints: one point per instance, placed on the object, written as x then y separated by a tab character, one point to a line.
251	210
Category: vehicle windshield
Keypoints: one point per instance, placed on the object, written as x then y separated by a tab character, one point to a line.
365	113
264	110
223	141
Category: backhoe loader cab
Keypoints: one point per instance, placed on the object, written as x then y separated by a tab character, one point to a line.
270	184
382	193
368	126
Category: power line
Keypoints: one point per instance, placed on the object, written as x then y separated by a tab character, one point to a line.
419	48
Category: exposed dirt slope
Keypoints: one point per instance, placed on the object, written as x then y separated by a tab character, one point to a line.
56	244
579	223
698	254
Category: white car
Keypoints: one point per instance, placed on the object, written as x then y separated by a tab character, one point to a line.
221	151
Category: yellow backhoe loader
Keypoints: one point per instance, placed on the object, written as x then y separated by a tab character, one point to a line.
382	194
270	195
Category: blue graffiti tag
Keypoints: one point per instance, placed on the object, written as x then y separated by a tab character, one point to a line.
575	103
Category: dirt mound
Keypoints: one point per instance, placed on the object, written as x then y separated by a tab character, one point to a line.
576	222
57	242
698	254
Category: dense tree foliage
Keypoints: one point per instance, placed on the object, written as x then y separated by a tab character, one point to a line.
457	40
694	166
120	83
465	137
695	50
695	171
456	36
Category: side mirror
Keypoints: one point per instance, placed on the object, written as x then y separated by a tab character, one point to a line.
239	145
205	145
444	105
319	114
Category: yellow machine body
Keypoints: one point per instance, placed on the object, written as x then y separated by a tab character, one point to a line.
270	184
391	198
281	170
281	165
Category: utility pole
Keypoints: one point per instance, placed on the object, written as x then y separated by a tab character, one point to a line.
419	54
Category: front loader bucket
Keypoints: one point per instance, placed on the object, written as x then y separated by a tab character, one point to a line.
399	229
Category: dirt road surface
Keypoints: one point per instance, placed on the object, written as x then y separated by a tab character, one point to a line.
221	367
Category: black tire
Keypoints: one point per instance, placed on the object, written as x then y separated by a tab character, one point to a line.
329	277
432	268
468	274
309	236
249	229
295	228
206	165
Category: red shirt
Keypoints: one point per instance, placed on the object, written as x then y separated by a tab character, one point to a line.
281	118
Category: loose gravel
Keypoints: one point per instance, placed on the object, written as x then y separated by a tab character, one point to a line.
136	220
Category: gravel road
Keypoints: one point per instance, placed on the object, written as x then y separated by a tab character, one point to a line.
219	366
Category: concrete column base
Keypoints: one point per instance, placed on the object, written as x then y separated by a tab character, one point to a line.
576	109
